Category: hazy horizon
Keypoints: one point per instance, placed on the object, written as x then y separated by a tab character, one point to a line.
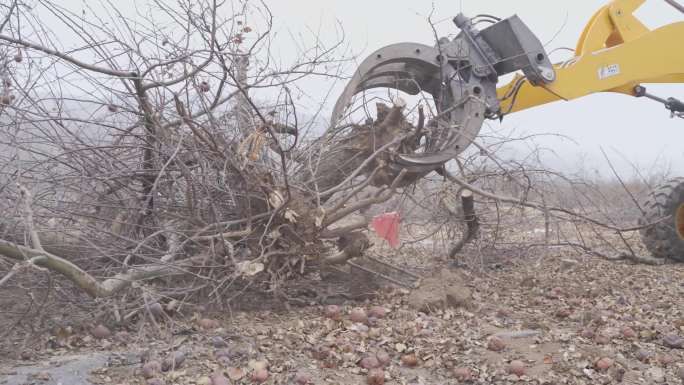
631	131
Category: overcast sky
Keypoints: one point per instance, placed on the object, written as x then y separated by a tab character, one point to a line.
629	129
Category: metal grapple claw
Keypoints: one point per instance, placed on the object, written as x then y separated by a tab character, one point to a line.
460	75
408	67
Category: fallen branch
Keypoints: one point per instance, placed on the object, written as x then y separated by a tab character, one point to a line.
87	282
16	269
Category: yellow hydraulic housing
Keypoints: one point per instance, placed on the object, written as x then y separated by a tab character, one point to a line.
615	53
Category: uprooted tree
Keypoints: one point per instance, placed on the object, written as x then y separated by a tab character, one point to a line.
147	152
173	146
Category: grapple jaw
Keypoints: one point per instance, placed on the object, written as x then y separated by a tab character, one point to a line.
460	75
408	67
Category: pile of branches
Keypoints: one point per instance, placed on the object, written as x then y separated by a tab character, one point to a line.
171	149
146	150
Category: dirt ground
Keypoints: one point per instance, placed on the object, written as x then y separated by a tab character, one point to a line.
553	320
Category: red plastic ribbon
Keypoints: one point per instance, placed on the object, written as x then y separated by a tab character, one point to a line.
386	226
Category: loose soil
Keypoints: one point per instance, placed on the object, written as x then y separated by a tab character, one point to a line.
559	315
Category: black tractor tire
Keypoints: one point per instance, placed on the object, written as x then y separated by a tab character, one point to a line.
664	207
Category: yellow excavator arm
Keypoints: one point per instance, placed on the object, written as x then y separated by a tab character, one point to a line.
615	53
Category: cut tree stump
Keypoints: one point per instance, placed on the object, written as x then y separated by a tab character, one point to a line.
472	223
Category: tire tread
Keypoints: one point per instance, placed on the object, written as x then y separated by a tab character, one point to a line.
662	239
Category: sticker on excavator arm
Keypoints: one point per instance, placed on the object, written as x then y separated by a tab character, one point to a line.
609	71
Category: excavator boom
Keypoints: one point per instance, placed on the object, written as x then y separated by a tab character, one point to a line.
615	53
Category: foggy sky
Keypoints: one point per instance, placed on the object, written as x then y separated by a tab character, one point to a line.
630	130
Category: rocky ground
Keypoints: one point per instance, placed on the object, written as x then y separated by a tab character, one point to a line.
555	320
